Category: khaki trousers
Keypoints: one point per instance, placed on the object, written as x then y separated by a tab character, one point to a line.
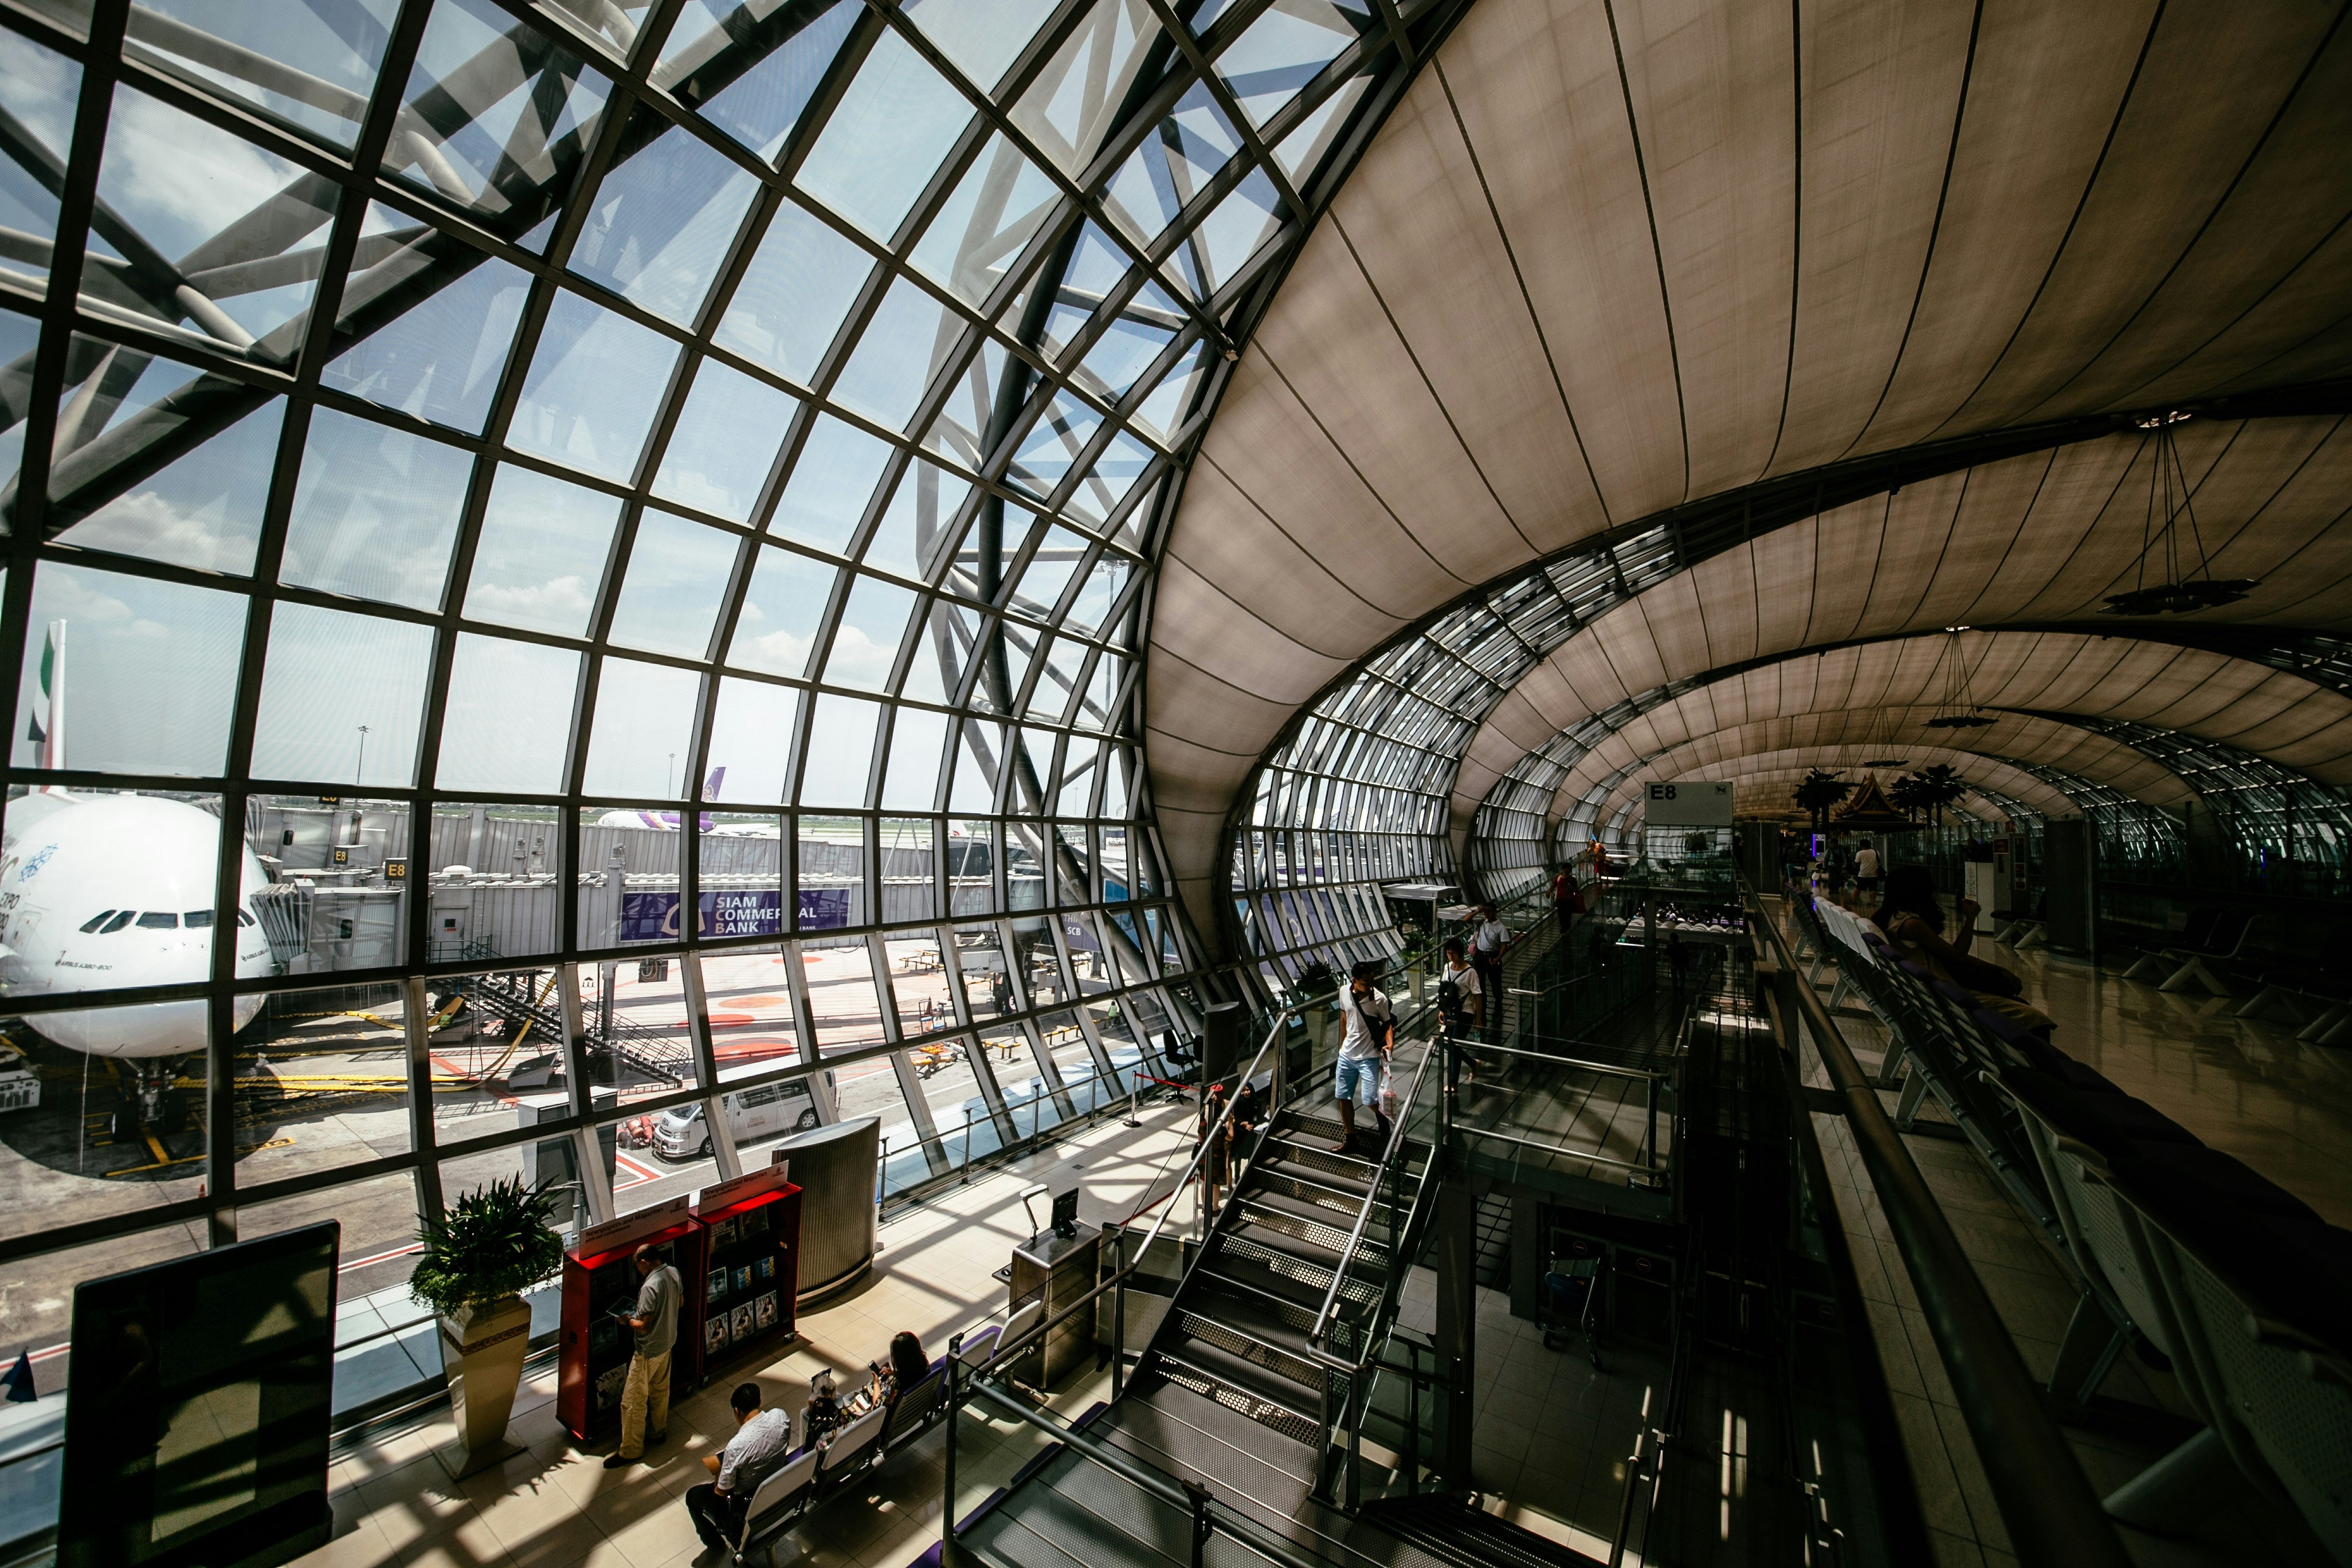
648	1386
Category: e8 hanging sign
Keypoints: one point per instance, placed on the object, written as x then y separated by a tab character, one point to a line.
1689	802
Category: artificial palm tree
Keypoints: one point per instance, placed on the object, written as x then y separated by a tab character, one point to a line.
1819	792
1940	786
1908	794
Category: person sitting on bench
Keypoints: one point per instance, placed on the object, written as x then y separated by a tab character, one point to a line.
1913	919
761	1438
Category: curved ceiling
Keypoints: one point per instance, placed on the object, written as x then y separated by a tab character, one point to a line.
1605	259
2041	538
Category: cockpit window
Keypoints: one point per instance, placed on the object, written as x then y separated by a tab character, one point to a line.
154	921
97	920
196	919
119	921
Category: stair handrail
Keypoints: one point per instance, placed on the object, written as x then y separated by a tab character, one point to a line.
1207	1513
2044	1498
1006	1355
1322	1325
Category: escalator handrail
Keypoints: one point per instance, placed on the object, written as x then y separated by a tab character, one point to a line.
2052	1515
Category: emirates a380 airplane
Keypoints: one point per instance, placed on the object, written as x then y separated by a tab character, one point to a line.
104	892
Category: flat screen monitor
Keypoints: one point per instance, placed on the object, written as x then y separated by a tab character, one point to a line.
1066	1212
196	1421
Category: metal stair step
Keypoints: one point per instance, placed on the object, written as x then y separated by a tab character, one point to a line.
1250	1315
1234	1269
1302	1402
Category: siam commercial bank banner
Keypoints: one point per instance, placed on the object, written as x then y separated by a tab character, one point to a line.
653	917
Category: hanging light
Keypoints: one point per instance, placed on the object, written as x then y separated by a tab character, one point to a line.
1956	690
2181	592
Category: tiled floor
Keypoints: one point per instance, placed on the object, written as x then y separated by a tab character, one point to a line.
553	1504
2243	1086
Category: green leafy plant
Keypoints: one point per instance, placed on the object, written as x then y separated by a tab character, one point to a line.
492	1243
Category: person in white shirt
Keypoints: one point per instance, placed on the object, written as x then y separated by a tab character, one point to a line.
1865	868
1470	996
1369	1033
1487	941
760	1438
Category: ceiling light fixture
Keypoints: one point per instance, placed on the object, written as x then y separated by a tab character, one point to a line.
2180	593
1957	711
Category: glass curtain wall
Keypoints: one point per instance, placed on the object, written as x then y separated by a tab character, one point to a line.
604	546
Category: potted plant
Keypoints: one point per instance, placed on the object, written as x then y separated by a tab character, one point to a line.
477	1258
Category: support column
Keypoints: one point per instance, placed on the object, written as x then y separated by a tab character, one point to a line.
1453	1233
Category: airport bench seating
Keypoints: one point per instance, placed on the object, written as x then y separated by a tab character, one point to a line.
2212	941
2231	1278
810	1477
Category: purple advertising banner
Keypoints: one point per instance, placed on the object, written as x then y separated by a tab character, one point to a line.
824	908
653	917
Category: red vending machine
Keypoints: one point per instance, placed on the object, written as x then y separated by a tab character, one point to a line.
742	1301
599	1284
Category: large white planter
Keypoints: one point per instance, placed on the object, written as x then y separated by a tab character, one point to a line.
482	1351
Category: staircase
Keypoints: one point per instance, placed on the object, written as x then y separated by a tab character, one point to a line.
1228	1399
1461	1536
1236	1334
515	995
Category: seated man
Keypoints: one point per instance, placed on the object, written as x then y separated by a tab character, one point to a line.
759	1446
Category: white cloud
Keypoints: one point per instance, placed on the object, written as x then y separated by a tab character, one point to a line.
564	600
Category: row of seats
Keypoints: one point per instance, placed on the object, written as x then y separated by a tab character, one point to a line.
2183	1247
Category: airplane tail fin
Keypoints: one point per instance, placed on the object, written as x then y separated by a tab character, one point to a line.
47	727
710	785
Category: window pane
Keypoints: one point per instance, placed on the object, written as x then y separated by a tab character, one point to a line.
341	698
831	852
40	89
152	668
521	115
669	597
916	738
758	107
918	987
644	723
917	528
909	336
509	719
831	481
886	139
344	873
440	358
909	889
541	554
331	1068
840	753
981	36
793	295
971	857
725	442
662	222
841	999
375	512
592	389
1001	202
751	1009
493	890
202	510
865	642
752	738
780	616
116	1150
172	184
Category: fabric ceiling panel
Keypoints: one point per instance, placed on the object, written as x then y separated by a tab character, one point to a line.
1536	91
1713	99
1361	383
1599	263
1263	569
2042	103
1442	273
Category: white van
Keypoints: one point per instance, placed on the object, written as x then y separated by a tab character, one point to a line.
769	1110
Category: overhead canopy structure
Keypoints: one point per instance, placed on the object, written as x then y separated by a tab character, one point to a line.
1641	355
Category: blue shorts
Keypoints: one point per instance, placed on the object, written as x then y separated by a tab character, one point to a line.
1358	1079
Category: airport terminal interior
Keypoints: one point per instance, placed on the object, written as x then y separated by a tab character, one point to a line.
1814	541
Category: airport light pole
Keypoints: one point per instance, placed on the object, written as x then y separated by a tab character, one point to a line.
359	774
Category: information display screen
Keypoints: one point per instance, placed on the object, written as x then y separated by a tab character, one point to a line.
196	1422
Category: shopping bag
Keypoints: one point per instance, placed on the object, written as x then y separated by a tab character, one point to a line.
1388	1091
